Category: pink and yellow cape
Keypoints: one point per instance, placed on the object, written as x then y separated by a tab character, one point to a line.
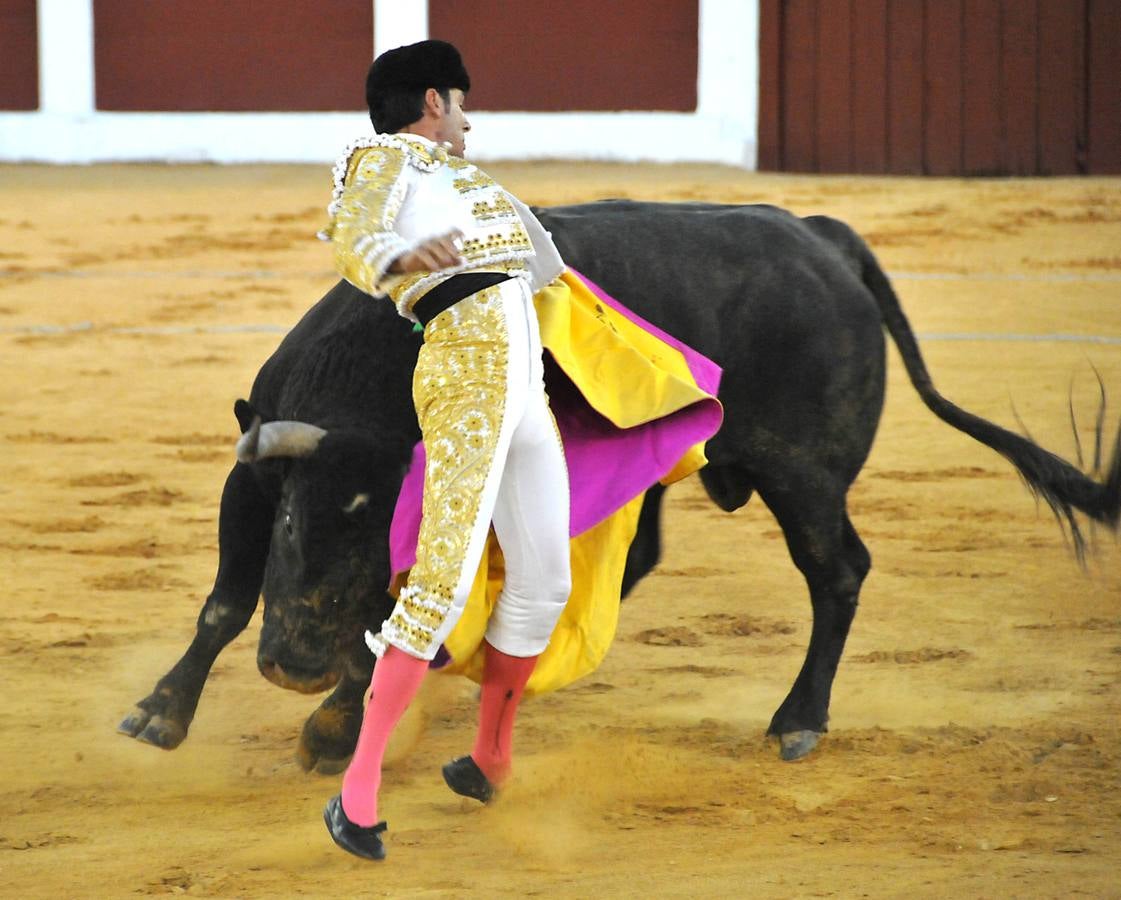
634	407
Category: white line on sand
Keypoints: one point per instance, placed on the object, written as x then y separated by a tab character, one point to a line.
1042	277
269	328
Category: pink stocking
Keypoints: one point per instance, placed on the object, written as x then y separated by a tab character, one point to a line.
504	679
397	678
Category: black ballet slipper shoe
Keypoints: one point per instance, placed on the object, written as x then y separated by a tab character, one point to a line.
465	778
364	842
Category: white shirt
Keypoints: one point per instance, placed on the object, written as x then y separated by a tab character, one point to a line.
393	192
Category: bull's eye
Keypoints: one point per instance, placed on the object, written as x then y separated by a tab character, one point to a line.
288	523
360	502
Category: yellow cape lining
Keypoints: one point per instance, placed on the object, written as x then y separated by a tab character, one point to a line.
600	350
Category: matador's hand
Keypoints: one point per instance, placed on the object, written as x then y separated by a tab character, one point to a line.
433	255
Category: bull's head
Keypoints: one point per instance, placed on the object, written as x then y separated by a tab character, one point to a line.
328	563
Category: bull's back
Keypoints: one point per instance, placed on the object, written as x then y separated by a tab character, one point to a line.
723	278
338	362
775	300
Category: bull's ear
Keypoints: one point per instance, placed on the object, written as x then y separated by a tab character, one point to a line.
244	413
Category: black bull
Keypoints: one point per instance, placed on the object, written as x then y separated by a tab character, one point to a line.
794	311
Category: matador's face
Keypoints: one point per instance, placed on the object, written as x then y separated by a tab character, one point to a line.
452	123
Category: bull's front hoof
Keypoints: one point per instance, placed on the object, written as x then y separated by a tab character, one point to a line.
318	761
328	739
132	724
321	765
152	729
163	733
796	744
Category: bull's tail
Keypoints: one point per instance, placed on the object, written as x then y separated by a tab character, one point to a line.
1063	487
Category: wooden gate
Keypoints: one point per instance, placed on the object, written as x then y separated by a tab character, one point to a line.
940	87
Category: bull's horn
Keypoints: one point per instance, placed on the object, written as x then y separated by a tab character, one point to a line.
273	439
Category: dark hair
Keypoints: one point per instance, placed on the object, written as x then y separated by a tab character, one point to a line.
392	109
399	78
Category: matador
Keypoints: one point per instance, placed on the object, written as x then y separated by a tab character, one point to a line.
412	219
473	268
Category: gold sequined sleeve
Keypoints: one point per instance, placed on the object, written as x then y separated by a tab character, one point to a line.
363	235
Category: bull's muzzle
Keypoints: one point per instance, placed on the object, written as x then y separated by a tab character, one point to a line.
293	678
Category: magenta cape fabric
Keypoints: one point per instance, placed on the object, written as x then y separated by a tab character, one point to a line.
607	466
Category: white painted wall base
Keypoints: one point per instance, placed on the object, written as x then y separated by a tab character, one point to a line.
320	137
67	129
178	137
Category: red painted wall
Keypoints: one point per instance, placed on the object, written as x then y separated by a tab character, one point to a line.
19	55
545	55
219	55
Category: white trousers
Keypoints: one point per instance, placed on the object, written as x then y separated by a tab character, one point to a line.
493	456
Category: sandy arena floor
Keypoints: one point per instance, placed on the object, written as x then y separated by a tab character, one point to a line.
976	740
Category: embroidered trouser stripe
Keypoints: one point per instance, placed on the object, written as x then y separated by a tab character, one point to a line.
492	453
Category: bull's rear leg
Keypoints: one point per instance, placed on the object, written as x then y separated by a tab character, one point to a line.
244	530
829	553
646	547
728	486
331	732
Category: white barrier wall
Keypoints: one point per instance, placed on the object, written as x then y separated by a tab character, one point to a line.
68	128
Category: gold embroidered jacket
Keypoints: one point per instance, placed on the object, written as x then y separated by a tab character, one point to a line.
395	191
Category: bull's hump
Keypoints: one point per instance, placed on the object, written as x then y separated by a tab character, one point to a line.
660	211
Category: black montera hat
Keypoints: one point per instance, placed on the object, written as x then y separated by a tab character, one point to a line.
427	64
